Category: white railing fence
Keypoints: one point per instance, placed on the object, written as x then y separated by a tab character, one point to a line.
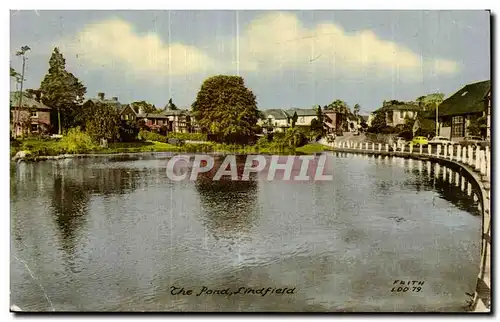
477	158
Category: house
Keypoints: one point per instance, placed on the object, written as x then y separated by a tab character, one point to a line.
274	119
396	112
305	115
31	117
333	122
468	104
179	120
100	99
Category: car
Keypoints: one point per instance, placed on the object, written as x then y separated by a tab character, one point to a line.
440	140
420	140
474	141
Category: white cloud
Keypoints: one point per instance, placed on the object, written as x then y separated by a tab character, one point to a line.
279	40
114	44
273	41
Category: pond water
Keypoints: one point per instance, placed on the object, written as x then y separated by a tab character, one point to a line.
115	234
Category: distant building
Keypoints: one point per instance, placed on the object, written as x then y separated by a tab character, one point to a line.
468	104
274	120
32	117
179	121
305	115
396	114
333	122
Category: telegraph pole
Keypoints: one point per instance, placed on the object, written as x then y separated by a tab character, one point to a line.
21	52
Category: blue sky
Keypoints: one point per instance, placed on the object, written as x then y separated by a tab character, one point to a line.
287	58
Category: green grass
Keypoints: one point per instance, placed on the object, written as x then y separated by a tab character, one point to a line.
312	148
57	147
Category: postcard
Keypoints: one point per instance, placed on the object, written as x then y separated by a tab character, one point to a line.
250	161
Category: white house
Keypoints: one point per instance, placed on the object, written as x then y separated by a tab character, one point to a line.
274	119
305	115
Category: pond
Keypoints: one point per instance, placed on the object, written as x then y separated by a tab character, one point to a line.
115	234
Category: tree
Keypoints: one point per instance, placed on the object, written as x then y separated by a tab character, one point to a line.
317	124
356	108
294	119
104	123
226	109
146	107
170	106
478	127
294	138
379	122
62	91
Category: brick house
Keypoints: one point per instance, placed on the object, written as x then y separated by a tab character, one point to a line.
333	122
32	117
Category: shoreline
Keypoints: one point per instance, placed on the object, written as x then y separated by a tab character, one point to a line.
308	149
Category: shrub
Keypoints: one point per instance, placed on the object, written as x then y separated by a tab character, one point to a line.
128	131
152	136
188	136
76	141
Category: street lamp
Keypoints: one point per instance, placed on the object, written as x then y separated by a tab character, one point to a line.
437	121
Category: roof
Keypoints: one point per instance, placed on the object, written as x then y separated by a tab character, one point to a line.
116	104
469	99
27	101
175	112
301	111
276	113
152	116
399	107
364	117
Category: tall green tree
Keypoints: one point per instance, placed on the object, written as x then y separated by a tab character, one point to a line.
226	109
294	119
62	91
356	109
378	123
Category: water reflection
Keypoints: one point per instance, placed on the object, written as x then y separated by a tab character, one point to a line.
230	206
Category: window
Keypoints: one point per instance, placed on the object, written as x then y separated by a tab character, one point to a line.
34	127
126	117
34	114
457	128
401	114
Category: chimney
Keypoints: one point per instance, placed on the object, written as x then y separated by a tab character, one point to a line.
114	98
100	95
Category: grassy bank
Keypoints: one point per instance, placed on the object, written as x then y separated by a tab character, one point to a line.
38	148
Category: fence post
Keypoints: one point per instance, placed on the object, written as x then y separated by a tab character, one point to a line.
373	146
438	151
470	152
488	163
429	149
445	151
379	147
483	162
477	159
386	147
459	150
451	152
420	147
